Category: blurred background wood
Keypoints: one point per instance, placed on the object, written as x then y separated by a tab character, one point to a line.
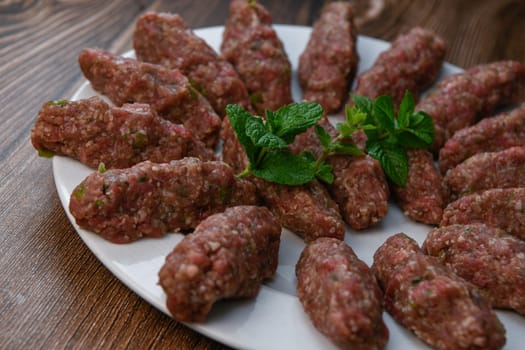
54	293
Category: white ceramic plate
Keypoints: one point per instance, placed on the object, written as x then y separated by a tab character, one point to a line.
275	319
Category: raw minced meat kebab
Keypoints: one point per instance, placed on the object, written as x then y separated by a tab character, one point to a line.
158	175
441	308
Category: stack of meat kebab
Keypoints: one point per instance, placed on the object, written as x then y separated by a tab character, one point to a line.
412	64
481	232
326	69
482	172
425	296
253	48
154	41
158	142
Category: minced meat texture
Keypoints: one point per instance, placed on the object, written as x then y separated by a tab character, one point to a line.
168	91
166	39
151	199
450	112
488	135
460	100
412	63
503	208
306	210
339	293
423	197
440	308
486	256
359	188
252	46
483	171
228	255
328	64
93	132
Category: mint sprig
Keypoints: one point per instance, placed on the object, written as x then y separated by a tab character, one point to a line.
388	135
266	141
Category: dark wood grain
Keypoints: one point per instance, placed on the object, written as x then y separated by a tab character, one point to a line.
54	293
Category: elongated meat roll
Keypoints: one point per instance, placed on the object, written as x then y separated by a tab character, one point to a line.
166	39
151	199
328	64
411	63
340	295
93	132
440	308
228	255
251	44
168	91
498	207
486	256
460	100
488	135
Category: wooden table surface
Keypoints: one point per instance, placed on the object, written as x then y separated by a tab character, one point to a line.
54	293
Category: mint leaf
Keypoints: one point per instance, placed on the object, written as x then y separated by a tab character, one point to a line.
408	139
324	137
383	113
393	159
354	116
422	125
324	173
419	133
363	104
286	168
271	141
293	119
322	170
257	131
308	156
347	148
345	130
406	109
373	133
238	116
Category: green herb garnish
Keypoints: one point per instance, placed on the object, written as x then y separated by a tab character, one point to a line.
342	143
58	102
388	135
140	140
266	141
79	192
101	168
45	153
